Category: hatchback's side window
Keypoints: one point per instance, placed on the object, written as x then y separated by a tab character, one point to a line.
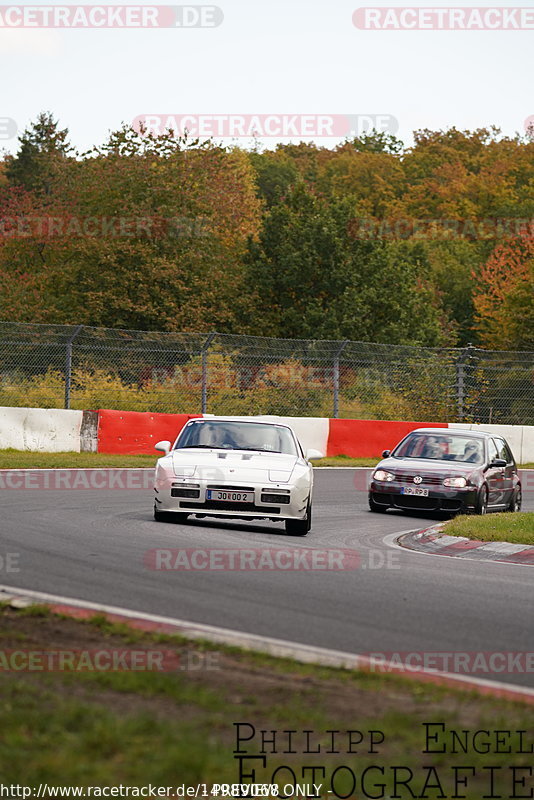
492	451
503	451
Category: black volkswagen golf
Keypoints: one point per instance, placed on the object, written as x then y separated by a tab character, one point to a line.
439	469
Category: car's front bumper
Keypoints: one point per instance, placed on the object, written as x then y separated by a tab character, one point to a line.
439	498
169	497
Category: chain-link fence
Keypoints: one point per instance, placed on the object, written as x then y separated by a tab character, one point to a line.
55	366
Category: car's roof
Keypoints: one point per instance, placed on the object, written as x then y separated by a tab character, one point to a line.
453	431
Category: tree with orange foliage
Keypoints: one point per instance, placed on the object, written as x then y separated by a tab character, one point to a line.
504	303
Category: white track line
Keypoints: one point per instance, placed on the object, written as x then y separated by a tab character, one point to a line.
391	541
280	648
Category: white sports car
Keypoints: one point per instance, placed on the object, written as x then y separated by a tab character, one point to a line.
235	469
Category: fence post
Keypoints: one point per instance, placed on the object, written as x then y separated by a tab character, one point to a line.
205	347
68	365
335	413
461	383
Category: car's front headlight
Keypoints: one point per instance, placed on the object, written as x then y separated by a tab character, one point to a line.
455	483
383	475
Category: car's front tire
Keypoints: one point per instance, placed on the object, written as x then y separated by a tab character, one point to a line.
482	501
515	502
300	527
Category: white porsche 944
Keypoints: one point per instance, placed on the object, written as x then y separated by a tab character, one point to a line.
236	469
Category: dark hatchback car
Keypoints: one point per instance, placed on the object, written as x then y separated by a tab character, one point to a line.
439	469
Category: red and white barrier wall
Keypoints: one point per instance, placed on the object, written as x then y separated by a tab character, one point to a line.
135	432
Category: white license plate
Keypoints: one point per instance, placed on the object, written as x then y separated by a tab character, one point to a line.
229	497
414	490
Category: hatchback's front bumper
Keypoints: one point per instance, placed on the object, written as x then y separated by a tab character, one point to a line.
439	498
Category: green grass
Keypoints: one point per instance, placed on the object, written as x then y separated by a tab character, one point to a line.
514	528
135	728
22	459
345	461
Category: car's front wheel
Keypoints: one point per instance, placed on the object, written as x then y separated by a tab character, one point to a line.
482	501
300	527
515	502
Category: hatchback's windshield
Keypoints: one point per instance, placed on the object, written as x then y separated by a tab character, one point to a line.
238	436
442	447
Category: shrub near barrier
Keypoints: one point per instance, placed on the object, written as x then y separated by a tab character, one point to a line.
287	388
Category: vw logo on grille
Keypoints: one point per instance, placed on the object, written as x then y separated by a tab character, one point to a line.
418	479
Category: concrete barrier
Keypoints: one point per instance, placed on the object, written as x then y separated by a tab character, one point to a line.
49	430
363	438
136	432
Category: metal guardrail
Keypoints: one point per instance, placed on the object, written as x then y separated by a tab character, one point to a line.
54	366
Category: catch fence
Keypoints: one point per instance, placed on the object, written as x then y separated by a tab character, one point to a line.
75	366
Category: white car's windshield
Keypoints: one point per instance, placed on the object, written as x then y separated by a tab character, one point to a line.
441	448
228	435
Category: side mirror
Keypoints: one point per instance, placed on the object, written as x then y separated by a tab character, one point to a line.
386	453
312	454
163	447
498	462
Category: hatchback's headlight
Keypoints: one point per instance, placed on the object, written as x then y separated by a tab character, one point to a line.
455	483
383	475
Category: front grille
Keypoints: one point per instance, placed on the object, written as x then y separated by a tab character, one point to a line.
429	480
225	487
412	501
215	505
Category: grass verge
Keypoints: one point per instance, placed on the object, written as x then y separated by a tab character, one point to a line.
105	728
22	459
513	528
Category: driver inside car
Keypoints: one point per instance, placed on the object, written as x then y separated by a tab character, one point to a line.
472	452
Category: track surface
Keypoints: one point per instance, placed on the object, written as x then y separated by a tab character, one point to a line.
91	545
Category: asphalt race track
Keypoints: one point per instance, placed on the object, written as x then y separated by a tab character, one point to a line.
91	545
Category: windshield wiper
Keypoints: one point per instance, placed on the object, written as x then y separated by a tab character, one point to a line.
190	446
258	450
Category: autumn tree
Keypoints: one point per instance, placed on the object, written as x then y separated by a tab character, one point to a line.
504	301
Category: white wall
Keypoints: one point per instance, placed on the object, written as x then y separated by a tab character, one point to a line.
50	430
